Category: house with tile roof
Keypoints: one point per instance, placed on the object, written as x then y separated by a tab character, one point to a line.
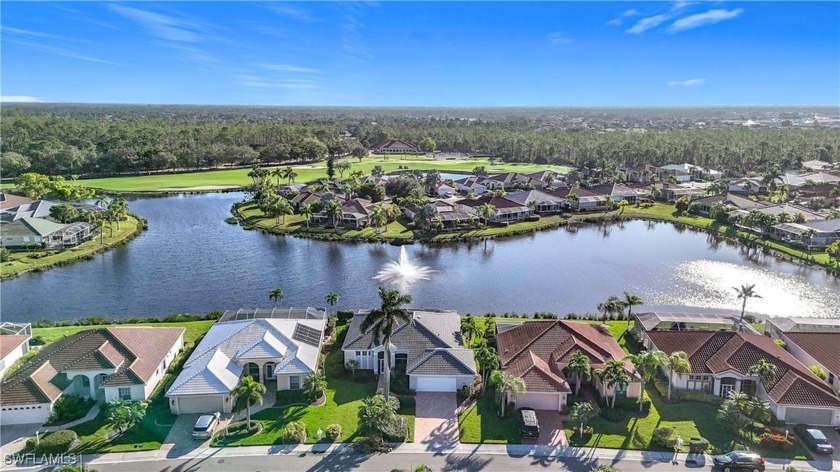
813	235
397	146
720	361
430	350
543	203
512	180
105	363
471	184
507	211
538	352
8	200
356	211
14	343
43	232
812	341
278	352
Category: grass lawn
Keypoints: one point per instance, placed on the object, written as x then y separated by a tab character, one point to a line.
150	433
23	260
481	424
306	172
344	397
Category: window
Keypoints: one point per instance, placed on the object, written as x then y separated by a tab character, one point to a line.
85	382
358	353
294	382
124	393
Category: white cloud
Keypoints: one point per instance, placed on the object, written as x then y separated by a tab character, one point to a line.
615	22
647	23
36	34
559	37
63	52
20	99
290	68
619	20
681	4
293	12
686	83
159	25
703	19
630	12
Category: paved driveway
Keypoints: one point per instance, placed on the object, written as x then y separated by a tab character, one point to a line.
13	437
180	441
551	430
435	421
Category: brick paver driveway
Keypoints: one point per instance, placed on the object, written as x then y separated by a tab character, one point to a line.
551	429
435	421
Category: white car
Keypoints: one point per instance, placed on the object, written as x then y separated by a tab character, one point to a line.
205	425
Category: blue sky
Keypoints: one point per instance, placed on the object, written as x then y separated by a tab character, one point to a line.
422	54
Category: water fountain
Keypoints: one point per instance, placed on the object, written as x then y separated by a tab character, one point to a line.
401	274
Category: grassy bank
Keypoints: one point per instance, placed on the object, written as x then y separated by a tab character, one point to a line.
195	329
22	261
306	172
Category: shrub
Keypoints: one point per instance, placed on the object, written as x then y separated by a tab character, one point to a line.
606	468
819	372
614	416
665	437
587	431
54	443
776	441
467	391
781	343
333	432
407	401
70	407
789	468
343	316
295	432
423	468
698	445
337	371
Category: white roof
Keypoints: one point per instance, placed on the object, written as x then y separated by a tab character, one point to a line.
293	344
215	374
799	324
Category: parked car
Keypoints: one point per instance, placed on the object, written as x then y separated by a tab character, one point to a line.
205	425
739	460
529	427
814	438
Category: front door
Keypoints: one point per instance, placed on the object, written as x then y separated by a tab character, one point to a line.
381	358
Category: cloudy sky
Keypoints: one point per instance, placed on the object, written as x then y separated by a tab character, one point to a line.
422	54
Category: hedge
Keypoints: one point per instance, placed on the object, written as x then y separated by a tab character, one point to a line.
661	385
54	443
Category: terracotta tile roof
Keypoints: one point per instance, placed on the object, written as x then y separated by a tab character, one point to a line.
498	202
397	144
134	352
717	352
539	350
10	342
824	347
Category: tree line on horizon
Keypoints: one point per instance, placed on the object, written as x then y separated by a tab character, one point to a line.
69	145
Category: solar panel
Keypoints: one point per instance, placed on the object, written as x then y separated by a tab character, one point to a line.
307	335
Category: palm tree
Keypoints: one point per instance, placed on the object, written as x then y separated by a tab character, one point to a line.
468	329
334	212
280	173
291	174
487	359
646	363
612	306
630	301
745	293
332	298
486	211
276	295
507	387
307	211
616	378
764	370
315	384
383	321
251	391
117	210
579	368
379	216
678	363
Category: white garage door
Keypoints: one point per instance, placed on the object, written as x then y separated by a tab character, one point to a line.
201	404
811	416
436	384
24	415
539	401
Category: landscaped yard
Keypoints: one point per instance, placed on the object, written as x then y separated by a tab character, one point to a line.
481	424
194	330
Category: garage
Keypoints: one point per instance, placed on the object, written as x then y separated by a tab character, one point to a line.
539	401
25	414
436	384
197	404
810	416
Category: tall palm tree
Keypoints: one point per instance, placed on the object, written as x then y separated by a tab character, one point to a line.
764	370
291	175
677	363
334	212
507	387
379	216
486	212
616	378
630	301
276	295
307	211
250	390
646	363
487	359
579	368
745	292
468	329
280	173
332	298
383	321
612	306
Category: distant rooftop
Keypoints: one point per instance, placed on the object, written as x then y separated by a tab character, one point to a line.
652	320
825	325
307	313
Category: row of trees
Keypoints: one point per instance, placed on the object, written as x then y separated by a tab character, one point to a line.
75	145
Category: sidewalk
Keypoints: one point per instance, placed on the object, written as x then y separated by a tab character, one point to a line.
517	450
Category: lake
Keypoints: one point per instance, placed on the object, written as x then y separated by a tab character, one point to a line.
191	261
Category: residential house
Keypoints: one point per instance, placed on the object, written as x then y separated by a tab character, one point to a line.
276	351
42	232
8	200
813	235
580	199
471	184
307	198
507	211
512	180
748	186
640	174
397	146
678	174
817	165
706	203
357	213
617	192
291	189
429	350
693	170
671	192
794	181
445	190
720	361
821	349
543	203
644	323
775	327
452	215
14	343
105	364
538	352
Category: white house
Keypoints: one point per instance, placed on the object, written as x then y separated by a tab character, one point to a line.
14	343
105	363
720	363
278	352
429	350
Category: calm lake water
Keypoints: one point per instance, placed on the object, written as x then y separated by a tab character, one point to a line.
191	261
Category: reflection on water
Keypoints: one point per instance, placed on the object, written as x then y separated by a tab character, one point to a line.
190	261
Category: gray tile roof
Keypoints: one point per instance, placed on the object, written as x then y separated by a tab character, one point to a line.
444	362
